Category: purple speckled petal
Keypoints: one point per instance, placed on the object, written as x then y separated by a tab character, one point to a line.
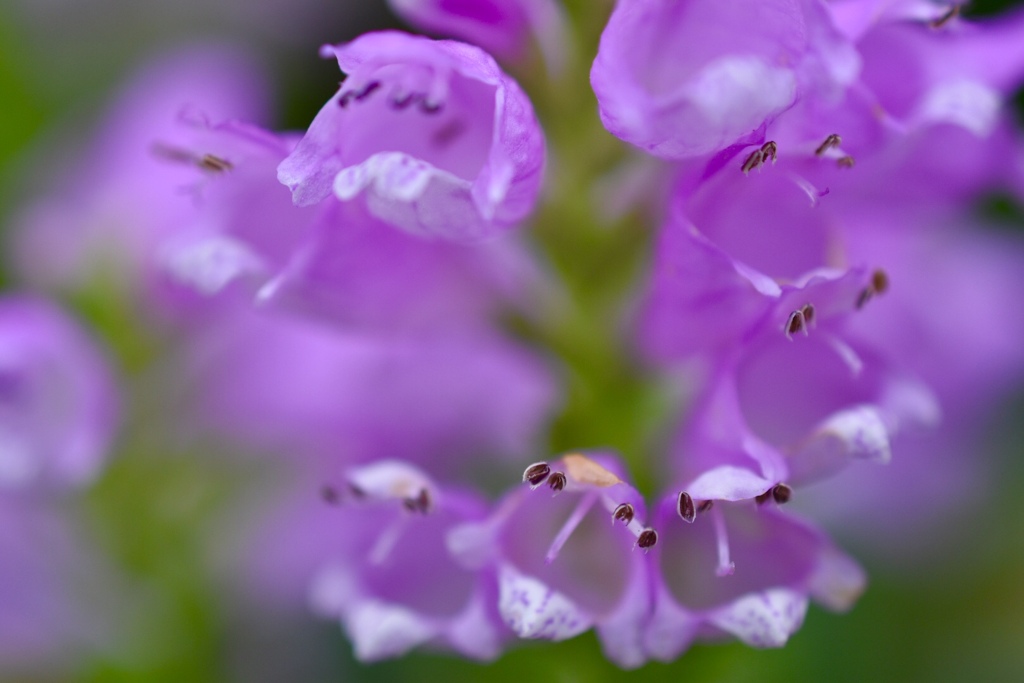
745	570
533	609
565	563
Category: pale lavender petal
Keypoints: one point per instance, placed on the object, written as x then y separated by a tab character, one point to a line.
449	147
682	79
58	401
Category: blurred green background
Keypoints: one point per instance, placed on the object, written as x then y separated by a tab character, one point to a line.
953	611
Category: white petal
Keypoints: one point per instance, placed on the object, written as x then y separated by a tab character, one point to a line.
838	581
765	619
379	630
534	610
209	264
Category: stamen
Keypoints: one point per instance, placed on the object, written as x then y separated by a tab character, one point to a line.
831	141
449	132
880	281
330	495
726	566
761	499
207	162
808	313
420	503
400	99
647	539
429	106
210	162
685	507
387	540
950	14
346	99
623	513
356	491
769	150
782	493
879	285
582	508
705	505
173	153
845	162
557	481
536	474
368	90
754	160
795	323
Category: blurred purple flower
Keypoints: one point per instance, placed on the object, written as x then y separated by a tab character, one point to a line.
438	140
58	403
296	386
682	79
502	27
123	197
376	559
246	239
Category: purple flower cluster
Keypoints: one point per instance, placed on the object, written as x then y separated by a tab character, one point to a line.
58	413
816	288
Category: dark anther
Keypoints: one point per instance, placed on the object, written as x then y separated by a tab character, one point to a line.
763	498
400	99
330	495
753	161
368	90
356	491
421	503
880	281
428	106
173	153
556	481
705	505
647	539
769	150
623	513
845	162
449	132
346	99
808	313
782	493
795	323
536	473
685	507
939	22
210	162
831	141
879	284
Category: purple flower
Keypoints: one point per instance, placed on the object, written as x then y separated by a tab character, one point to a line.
568	552
287	384
58	406
434	136
244	239
377	560
740	570
502	27
127	194
683	79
